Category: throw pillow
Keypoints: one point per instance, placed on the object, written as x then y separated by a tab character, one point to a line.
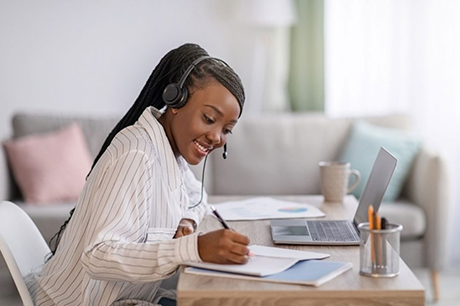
363	146
50	167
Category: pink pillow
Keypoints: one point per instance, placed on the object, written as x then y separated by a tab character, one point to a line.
51	167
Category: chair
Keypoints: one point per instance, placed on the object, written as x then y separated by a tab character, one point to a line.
21	245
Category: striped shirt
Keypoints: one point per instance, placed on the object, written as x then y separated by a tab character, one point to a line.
119	244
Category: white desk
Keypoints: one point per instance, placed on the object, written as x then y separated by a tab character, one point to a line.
349	288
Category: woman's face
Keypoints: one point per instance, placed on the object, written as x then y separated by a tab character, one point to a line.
204	122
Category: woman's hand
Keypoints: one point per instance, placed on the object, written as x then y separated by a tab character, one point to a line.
223	247
186	227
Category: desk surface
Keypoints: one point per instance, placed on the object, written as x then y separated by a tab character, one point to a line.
349	288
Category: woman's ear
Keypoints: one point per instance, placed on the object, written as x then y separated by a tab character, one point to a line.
174	111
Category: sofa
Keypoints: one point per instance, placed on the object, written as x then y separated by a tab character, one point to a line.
278	155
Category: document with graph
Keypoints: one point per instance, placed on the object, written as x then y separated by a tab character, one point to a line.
266	208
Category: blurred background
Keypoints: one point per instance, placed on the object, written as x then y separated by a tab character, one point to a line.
343	58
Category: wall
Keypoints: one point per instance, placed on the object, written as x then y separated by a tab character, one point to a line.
93	57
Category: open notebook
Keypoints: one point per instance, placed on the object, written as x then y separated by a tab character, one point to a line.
266	261
277	265
308	272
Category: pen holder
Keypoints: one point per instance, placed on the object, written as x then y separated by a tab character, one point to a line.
379	250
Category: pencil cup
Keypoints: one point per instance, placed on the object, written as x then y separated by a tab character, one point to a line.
379	250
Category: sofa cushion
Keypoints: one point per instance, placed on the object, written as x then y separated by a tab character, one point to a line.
410	216
50	167
279	154
363	145
95	130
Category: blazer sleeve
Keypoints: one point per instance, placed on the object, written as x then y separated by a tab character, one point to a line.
116	247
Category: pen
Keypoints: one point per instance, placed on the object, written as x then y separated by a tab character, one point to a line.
222	221
384	223
225	225
384	242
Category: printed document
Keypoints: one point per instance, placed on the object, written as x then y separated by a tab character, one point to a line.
266	208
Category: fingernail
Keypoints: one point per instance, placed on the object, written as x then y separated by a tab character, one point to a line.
251	254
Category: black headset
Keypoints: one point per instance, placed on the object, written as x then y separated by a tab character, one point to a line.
175	95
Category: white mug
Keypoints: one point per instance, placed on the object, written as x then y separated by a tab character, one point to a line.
334	180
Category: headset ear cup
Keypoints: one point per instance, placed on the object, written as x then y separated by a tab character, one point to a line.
172	94
182	99
175	95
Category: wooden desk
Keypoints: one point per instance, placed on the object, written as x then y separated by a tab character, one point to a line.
349	288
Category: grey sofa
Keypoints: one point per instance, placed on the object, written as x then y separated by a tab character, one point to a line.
279	155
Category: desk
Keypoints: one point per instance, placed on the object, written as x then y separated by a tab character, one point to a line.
349	288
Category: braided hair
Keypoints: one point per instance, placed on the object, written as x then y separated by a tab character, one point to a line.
169	70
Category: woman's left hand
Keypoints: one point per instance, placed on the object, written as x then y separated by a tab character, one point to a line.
186	227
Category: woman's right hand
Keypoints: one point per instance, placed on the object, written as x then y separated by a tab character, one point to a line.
224	247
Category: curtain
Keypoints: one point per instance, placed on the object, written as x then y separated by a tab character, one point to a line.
306	76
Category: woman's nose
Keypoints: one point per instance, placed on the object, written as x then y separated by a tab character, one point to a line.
214	137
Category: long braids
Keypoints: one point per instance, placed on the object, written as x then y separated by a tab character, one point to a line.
169	70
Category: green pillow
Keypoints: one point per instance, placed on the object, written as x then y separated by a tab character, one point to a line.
363	146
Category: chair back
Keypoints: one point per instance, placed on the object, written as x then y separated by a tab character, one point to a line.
22	246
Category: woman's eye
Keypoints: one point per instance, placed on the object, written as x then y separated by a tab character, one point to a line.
227	131
208	120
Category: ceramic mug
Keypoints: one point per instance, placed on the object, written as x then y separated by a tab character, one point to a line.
334	180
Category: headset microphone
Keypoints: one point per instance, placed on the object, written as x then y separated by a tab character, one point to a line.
175	95
225	154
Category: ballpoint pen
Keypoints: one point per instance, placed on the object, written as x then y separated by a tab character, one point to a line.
384	223
225	225
221	220
384	242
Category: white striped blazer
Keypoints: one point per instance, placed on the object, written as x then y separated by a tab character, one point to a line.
119	243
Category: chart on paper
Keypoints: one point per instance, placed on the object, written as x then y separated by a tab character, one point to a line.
266	208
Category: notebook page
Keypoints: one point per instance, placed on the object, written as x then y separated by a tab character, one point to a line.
257	266
260	250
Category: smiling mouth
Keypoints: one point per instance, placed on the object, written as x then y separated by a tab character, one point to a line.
201	148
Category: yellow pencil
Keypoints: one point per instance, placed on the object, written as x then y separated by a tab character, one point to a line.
370	215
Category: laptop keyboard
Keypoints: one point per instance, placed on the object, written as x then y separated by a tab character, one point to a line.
331	231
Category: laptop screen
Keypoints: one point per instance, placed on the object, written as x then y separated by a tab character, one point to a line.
376	185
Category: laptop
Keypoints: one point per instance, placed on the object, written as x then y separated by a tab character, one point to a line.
339	232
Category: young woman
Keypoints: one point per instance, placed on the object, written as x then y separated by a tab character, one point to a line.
135	220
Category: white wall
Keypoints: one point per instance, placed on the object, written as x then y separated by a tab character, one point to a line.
93	57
